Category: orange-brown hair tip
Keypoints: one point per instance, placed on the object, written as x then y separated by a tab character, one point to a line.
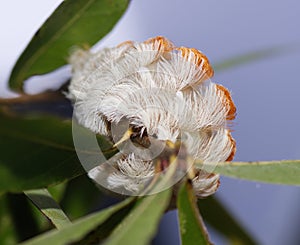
231	156
164	43
199	58
228	101
126	43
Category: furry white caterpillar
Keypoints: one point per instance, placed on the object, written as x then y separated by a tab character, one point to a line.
164	94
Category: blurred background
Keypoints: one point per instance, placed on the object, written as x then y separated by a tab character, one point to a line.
265	91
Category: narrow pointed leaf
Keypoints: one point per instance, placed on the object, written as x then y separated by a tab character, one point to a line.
104	230
58	191
78	229
49	207
215	214
253	56
73	23
23	216
8	234
80	196
192	228
38	152
276	172
140	226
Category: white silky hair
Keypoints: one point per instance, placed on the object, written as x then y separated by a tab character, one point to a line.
162	111
209	145
186	72
205	184
132	174
85	63
164	93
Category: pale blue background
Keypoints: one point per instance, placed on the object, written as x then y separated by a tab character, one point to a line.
266	92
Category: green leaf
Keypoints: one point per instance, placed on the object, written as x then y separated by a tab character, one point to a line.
23	217
255	56
215	214
73	23
77	230
192	228
7	231
80	197
101	232
48	206
276	172
58	191
140	225
38	152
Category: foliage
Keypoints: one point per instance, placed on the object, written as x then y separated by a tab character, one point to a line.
38	156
